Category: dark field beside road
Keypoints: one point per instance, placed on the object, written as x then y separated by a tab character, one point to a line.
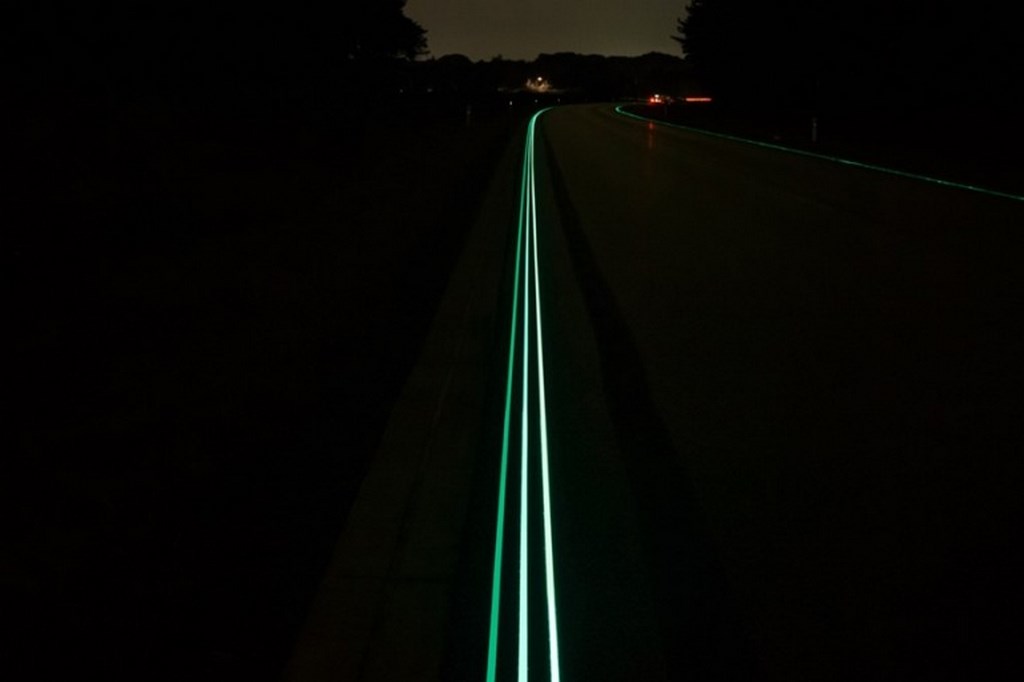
214	312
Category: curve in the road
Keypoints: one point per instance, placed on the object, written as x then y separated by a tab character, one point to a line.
835	159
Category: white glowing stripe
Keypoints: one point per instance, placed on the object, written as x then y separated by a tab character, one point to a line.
528	221
549	560
499	535
524	625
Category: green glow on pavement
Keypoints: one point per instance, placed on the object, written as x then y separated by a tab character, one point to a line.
526	276
524	624
549	561
834	159
499	534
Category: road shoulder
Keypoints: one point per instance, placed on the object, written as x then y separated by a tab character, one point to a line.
383	609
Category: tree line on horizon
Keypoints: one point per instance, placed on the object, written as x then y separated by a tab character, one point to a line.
572	75
234	53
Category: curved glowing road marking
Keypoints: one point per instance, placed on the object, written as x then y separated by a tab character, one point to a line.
834	159
524	594
549	559
499	542
526	252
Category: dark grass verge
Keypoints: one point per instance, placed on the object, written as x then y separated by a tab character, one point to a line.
214	315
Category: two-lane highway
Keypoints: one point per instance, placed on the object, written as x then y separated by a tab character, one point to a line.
769	429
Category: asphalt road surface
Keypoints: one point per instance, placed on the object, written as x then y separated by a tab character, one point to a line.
782	416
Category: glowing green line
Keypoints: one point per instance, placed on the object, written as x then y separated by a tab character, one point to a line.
499	535
526	236
545	479
833	159
524	625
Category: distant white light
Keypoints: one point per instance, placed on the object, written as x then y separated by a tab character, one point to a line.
538	84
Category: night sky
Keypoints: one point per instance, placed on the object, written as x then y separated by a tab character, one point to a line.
522	29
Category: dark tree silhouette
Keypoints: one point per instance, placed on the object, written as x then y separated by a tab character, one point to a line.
909	55
381	29
123	48
751	52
